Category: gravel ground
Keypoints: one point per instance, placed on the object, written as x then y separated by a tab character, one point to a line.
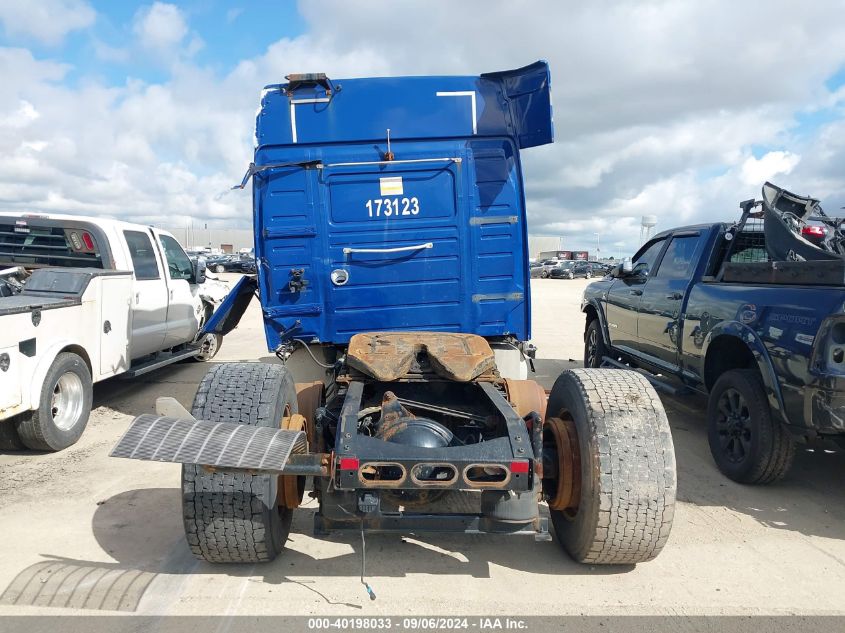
86	533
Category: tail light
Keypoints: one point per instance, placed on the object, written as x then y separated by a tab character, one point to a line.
519	467
813	231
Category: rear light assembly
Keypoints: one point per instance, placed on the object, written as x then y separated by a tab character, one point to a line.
81	241
814	231
349	463
519	467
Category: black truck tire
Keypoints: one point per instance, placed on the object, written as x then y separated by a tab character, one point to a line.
9	438
628	477
746	443
594	348
64	406
236	517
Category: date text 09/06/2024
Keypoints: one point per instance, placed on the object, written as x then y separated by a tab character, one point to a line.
483	623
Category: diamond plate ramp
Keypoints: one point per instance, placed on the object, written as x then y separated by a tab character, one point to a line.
219	444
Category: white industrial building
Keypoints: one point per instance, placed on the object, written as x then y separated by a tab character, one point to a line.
539	243
223	240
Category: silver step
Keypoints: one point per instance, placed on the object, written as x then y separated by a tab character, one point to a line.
163	359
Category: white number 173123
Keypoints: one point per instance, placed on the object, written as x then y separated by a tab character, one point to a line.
387	207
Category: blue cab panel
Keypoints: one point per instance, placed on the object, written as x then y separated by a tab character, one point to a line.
396	203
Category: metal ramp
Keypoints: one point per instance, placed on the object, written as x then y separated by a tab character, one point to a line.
217	444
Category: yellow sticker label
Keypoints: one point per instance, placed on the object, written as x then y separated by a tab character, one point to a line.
391	186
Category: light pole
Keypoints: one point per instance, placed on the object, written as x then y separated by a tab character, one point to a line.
598	245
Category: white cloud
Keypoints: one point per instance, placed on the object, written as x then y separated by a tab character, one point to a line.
657	104
160	27
47	21
657	108
23	116
755	171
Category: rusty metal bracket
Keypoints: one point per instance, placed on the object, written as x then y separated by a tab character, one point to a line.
291	487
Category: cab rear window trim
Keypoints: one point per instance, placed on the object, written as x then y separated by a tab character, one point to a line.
142	276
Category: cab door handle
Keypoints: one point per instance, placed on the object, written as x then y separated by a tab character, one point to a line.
636	292
675	296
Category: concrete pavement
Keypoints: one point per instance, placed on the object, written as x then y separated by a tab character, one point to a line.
83	533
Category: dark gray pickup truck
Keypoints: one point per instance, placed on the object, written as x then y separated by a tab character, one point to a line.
750	314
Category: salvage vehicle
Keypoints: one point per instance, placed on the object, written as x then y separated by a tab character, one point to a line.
390	232
752	314
586	270
240	263
216	262
562	270
83	299
535	269
592	269
543	269
231	263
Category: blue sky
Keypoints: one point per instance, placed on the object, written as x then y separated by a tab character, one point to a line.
229	31
145	110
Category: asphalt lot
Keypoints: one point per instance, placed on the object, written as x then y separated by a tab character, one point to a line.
82	532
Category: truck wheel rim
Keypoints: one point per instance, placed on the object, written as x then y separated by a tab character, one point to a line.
561	465
67	401
733	423
592	347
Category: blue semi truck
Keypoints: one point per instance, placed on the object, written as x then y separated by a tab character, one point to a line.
390	239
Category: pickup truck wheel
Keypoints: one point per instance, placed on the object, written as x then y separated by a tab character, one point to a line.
747	445
64	406
594	347
236	517
624	510
209	346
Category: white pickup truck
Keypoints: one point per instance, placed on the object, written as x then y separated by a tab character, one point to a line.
83	299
